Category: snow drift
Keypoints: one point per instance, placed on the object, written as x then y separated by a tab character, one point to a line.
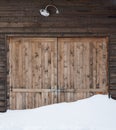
94	113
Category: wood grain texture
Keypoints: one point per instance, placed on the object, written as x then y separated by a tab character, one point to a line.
82	65
32	65
76	18
49	70
112	66
3	78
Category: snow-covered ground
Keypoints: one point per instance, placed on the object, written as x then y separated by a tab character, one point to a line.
95	113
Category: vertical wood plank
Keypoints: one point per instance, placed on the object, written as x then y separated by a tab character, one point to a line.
88	70
32	62
82	66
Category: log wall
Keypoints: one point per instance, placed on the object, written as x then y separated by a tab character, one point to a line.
76	18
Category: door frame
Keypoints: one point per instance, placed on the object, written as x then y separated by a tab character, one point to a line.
59	35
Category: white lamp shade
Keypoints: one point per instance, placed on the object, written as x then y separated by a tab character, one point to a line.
44	12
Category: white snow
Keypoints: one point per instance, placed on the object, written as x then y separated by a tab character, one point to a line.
94	113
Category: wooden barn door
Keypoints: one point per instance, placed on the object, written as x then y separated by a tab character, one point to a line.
32	72
49	70
82	68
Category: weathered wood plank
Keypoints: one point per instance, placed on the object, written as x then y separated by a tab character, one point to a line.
89	65
31	69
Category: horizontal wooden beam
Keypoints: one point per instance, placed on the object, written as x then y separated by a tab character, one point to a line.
104	90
